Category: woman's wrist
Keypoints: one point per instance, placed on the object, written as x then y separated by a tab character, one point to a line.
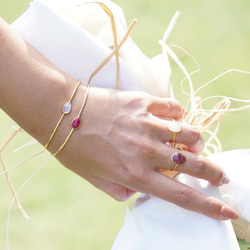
32	90
65	126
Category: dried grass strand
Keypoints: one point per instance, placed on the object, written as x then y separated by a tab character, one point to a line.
115	37
219	76
164	49
22	162
191	73
170	53
13	199
109	57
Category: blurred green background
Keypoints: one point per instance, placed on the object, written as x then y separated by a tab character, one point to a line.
65	211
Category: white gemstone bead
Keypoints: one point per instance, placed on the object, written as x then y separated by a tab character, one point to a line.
66	108
175	127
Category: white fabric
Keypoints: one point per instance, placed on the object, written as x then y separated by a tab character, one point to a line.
237	164
236	194
76	40
157	224
78	45
71	48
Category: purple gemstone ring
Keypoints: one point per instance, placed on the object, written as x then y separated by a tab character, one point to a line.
178	159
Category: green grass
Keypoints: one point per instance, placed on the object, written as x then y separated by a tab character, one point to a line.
65	211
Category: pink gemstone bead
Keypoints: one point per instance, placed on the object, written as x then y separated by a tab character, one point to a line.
178	158
76	123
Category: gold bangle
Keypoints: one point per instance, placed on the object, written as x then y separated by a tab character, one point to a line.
66	108
75	123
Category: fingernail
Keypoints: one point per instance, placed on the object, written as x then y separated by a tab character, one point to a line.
228	213
225	179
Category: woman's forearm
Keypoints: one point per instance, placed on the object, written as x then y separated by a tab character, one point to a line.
32	90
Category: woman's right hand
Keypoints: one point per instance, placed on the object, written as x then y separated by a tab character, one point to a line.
122	144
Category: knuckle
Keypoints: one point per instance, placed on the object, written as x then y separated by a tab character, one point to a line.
173	107
184	196
145	124
141	100
134	174
199	165
145	149
169	105
212	205
220	176
172	103
194	134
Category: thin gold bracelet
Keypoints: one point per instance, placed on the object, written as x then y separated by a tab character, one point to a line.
66	109
75	123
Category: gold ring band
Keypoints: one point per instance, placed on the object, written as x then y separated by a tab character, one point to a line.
174	127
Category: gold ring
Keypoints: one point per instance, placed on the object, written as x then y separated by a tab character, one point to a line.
174	127
178	159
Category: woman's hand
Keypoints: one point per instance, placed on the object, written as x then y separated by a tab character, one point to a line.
121	145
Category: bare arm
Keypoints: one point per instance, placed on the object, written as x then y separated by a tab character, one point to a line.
120	144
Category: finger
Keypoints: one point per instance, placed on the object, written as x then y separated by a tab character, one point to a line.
187	135
187	197
201	167
170	158
166	108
